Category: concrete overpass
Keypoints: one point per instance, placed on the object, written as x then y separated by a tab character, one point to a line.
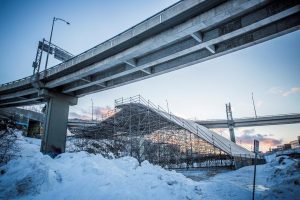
250	121
36	116
222	123
186	33
9	112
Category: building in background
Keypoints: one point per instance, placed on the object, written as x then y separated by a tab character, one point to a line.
295	143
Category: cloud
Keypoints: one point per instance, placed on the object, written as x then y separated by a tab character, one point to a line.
284	92
248	131
75	115
291	91
99	111
276	90
86	113
248	135
259	103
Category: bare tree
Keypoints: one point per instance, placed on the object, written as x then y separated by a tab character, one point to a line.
8	146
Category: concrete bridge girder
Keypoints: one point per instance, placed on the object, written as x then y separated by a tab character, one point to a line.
177	33
193	25
206	36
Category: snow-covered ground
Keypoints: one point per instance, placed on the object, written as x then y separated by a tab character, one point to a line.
278	179
86	176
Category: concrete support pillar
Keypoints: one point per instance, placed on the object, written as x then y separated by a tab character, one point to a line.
57	111
230	122
231	131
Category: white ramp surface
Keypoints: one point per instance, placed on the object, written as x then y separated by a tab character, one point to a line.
210	136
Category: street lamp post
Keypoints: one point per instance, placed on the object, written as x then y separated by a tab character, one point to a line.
54	19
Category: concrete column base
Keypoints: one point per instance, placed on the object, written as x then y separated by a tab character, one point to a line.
57	111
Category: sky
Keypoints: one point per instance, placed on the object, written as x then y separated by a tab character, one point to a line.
270	70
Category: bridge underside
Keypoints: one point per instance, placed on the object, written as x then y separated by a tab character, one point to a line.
258	121
187	33
184	34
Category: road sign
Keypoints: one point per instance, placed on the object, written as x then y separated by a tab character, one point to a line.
256	146
45	47
256	149
61	55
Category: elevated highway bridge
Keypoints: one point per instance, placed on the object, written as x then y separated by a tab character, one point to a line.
186	33
251	121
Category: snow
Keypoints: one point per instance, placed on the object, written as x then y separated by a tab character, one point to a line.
278	179
69	133
87	176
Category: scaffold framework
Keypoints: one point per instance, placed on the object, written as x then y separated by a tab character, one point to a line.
145	131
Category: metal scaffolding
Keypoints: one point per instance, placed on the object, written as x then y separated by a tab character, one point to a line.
137	130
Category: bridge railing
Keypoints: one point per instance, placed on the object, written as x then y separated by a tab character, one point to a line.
41	74
18	80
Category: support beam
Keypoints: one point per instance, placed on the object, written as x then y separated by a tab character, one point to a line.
17	102
18	94
211	48
231	132
88	81
230	122
54	140
133	64
197	36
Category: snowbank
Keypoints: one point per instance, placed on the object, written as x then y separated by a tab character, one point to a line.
278	179
86	176
284	179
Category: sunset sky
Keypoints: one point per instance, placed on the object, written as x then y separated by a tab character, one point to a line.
270	70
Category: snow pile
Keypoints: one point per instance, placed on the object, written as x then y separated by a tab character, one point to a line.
278	179
86	176
81	175
284	181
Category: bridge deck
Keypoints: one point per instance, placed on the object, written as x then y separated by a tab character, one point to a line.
259	121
